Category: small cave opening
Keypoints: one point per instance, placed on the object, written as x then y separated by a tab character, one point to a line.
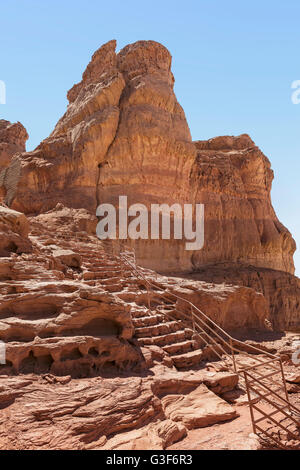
28	364
72	355
44	363
11	247
105	354
96	327
93	352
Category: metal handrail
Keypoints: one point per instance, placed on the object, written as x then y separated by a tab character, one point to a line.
214	337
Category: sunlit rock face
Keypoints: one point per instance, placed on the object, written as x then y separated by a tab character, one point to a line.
12	141
124	133
233	179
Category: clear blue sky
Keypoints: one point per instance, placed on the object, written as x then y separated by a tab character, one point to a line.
233	61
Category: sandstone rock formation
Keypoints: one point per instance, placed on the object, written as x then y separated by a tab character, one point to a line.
233	179
70	309
14	230
124	133
12	140
280	289
99	413
66	307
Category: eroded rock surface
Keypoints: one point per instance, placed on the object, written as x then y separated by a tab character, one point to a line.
99	413
14	230
12	140
94	360
124	133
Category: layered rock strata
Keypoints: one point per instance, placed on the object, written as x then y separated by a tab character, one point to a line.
124	133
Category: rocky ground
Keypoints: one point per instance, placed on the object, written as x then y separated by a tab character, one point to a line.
160	408
89	366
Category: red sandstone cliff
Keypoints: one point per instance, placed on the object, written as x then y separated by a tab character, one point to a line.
124	112
69	309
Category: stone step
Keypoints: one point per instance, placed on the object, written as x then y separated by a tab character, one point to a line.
187	360
113	288
88	275
90	254
179	348
90	283
157	330
129	296
98	262
100	266
140	312
112	281
143	321
163	340
166	306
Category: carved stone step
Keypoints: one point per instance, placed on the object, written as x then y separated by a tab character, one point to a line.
146	321
157	330
163	340
179	348
187	360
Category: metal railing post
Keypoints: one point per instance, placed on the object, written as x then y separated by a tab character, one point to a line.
250	402
193	319
233	356
284	385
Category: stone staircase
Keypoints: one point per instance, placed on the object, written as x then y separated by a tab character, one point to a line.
155	324
173	327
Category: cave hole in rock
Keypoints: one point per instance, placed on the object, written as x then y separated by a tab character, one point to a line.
109	366
71	355
11	247
96	327
27	365
44	363
20	335
93	352
31	310
105	354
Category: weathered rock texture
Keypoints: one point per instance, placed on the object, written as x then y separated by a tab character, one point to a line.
69	311
233	179
280	289
124	132
66	307
14	230
39	412
12	140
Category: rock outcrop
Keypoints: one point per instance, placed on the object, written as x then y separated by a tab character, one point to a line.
71	309
68	307
124	113
124	133
101	413
280	289
14	231
13	138
233	179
